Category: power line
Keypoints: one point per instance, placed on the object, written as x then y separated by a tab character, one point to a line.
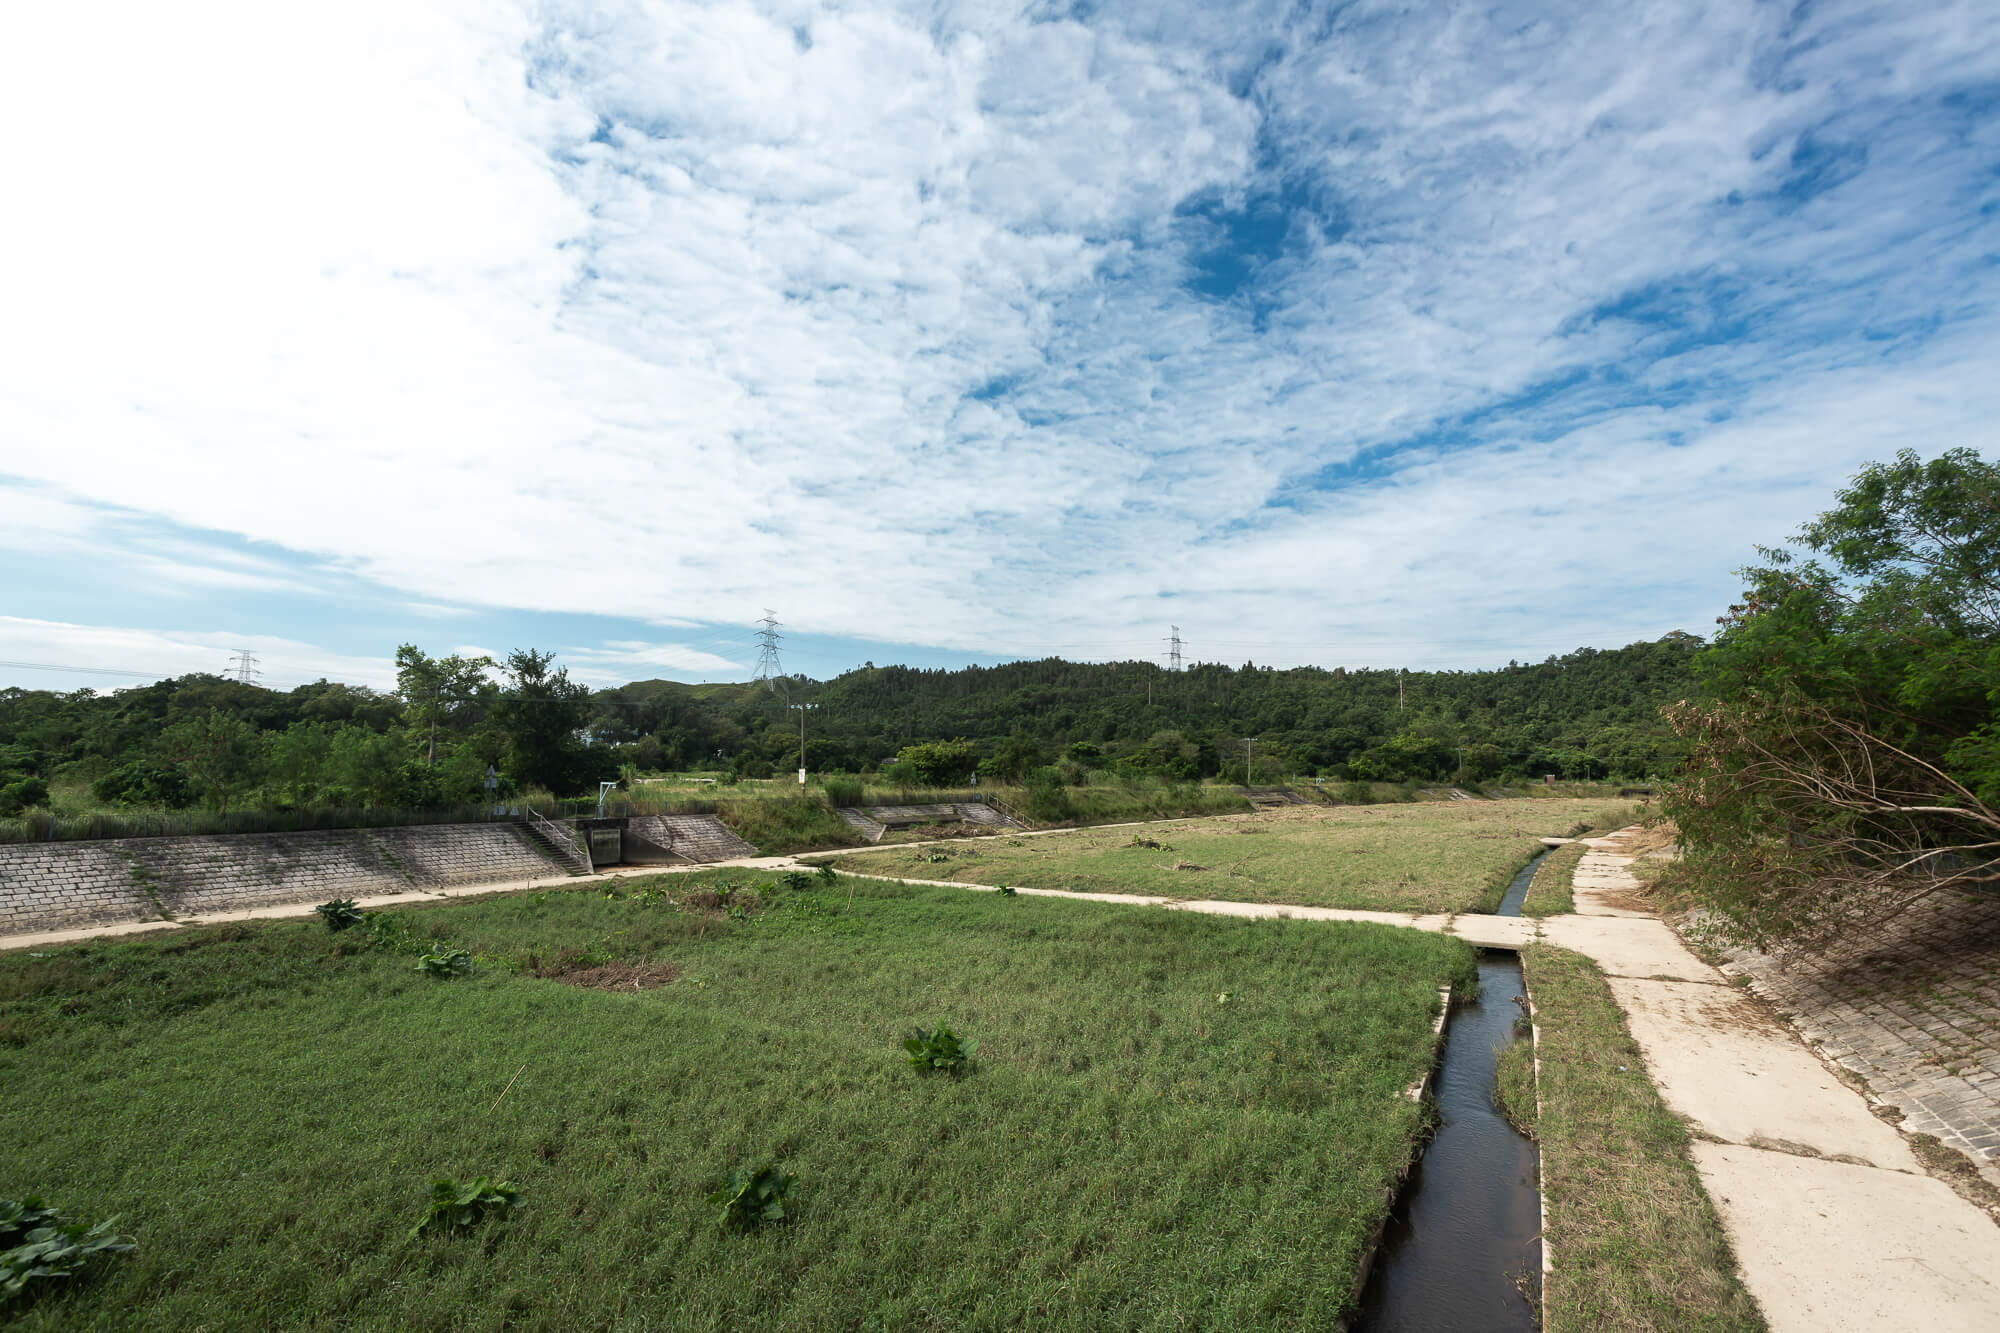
245	666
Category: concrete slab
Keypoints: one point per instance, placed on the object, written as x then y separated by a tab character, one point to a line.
1628	947
1827	1247
1495	932
1721	1060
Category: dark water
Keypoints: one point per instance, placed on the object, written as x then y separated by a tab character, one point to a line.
1517	891
1467	1228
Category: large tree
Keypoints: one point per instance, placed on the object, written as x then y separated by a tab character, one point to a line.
1845	761
542	713
437	691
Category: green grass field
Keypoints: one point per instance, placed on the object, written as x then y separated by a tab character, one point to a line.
1454	856
263	1107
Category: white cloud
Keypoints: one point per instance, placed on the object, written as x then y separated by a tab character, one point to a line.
157	654
621	660
480	300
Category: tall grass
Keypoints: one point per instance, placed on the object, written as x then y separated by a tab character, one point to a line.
262	1108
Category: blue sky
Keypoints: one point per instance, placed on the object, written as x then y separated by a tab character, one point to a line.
1353	335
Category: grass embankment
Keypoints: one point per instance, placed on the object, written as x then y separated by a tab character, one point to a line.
1635	1241
1437	857
1552	891
263	1108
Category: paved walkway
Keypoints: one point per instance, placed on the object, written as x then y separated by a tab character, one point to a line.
1833	1220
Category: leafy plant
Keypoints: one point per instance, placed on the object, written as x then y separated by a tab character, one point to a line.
1007	891
826	872
750	1198
340	914
455	1206
939	1048
798	881
37	1243
444	963
387	931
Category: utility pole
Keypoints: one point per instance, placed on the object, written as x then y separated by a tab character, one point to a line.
1174	649
803	710
768	669
244	666
1247	743
1399	689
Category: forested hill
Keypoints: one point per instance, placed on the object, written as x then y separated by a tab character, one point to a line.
1587	714
220	743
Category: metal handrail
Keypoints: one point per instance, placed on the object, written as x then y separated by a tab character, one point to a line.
562	841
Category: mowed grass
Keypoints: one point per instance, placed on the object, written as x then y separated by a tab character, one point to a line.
263	1107
1452	856
1635	1242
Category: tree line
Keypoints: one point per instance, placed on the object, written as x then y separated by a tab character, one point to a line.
208	741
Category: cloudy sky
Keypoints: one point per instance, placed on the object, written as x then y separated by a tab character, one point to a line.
1358	334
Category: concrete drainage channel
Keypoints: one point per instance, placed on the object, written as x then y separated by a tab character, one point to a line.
1462	1249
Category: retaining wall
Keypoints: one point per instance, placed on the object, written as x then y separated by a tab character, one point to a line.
53	885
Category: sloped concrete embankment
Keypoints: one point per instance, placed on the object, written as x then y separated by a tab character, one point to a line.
54	885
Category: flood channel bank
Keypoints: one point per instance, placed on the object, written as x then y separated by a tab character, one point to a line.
1463	1247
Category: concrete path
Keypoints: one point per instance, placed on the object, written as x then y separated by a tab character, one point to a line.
1832	1219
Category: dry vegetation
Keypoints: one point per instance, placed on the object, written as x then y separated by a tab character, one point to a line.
1436	857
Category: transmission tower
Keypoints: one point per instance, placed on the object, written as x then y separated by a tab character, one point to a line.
768	669
1174	649
244	666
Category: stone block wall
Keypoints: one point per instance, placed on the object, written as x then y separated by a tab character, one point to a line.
53	885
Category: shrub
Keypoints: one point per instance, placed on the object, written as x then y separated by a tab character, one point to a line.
455	1206
798	881
844	791
340	914
751	1198
937	1049
445	963
37	1243
22	795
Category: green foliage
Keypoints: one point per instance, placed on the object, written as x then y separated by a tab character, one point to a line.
340	913
1844	753
749	1199
847	792
938	1049
445	963
38	1244
542	712
440	693
826	874
22	794
456	1206
1239	1155
798	881
936	763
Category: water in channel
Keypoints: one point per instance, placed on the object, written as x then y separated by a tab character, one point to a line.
1463	1249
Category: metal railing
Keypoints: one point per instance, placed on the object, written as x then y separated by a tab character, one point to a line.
561	841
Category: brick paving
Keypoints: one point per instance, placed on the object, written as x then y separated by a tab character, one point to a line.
1914	1011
